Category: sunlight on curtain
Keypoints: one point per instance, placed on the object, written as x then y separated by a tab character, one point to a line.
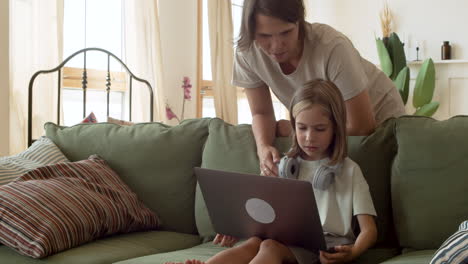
222	57
36	38
142	47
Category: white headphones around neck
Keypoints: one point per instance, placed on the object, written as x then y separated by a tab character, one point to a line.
323	178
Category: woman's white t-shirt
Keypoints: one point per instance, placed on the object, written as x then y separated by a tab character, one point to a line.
348	196
328	55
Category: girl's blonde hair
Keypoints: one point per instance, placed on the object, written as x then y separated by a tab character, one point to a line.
329	97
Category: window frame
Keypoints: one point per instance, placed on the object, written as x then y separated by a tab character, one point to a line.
72	78
204	87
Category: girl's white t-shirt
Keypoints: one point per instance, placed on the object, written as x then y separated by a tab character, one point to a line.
348	196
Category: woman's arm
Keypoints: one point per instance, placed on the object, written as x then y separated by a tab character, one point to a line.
359	114
264	126
345	68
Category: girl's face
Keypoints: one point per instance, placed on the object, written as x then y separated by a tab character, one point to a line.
277	38
314	132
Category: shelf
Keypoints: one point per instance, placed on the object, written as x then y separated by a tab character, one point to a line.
438	62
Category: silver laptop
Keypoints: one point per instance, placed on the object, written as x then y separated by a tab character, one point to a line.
246	205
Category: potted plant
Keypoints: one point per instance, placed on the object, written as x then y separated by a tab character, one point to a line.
393	63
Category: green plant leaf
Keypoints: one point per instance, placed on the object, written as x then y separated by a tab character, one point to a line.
385	61
425	84
427	109
397	55
402	83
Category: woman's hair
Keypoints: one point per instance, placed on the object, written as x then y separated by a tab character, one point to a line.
328	96
291	11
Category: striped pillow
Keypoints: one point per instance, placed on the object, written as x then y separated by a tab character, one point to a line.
41	153
60	206
455	248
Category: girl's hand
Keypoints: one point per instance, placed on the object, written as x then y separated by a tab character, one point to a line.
343	254
225	241
269	158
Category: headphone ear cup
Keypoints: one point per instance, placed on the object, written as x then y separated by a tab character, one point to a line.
325	176
288	168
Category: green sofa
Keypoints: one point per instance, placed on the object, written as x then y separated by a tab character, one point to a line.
415	167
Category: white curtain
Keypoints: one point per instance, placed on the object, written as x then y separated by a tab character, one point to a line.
143	56
36	43
222	56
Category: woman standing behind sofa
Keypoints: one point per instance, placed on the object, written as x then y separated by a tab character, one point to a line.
277	49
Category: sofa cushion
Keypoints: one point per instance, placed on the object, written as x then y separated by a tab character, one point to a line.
455	248
229	148
429	178
414	257
42	152
60	206
154	159
374	154
201	252
208	249
111	249
376	255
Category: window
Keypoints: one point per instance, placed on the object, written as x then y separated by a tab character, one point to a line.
206	100
93	23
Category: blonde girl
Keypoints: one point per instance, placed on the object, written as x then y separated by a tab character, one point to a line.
318	119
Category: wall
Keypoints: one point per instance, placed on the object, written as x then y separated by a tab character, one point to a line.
417	21
178	23
429	22
4	80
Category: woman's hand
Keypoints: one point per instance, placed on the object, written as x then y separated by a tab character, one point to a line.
269	159
342	254
225	241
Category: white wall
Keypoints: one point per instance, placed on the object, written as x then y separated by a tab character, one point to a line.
4	80
429	21
178	23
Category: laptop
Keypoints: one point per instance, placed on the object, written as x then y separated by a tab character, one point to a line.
245	205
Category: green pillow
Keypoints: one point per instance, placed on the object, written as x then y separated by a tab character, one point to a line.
229	148
155	160
374	154
429	180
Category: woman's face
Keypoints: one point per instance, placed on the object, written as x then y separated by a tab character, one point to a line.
277	38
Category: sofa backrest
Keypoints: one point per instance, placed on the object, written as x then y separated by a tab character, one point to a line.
154	159
429	180
232	148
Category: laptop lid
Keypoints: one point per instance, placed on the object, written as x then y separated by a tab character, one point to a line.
245	205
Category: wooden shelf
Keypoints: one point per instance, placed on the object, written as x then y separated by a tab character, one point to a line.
438	62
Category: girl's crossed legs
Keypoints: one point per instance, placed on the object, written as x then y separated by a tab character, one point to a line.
252	251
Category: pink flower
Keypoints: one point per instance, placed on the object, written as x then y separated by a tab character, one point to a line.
187	88
169	114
